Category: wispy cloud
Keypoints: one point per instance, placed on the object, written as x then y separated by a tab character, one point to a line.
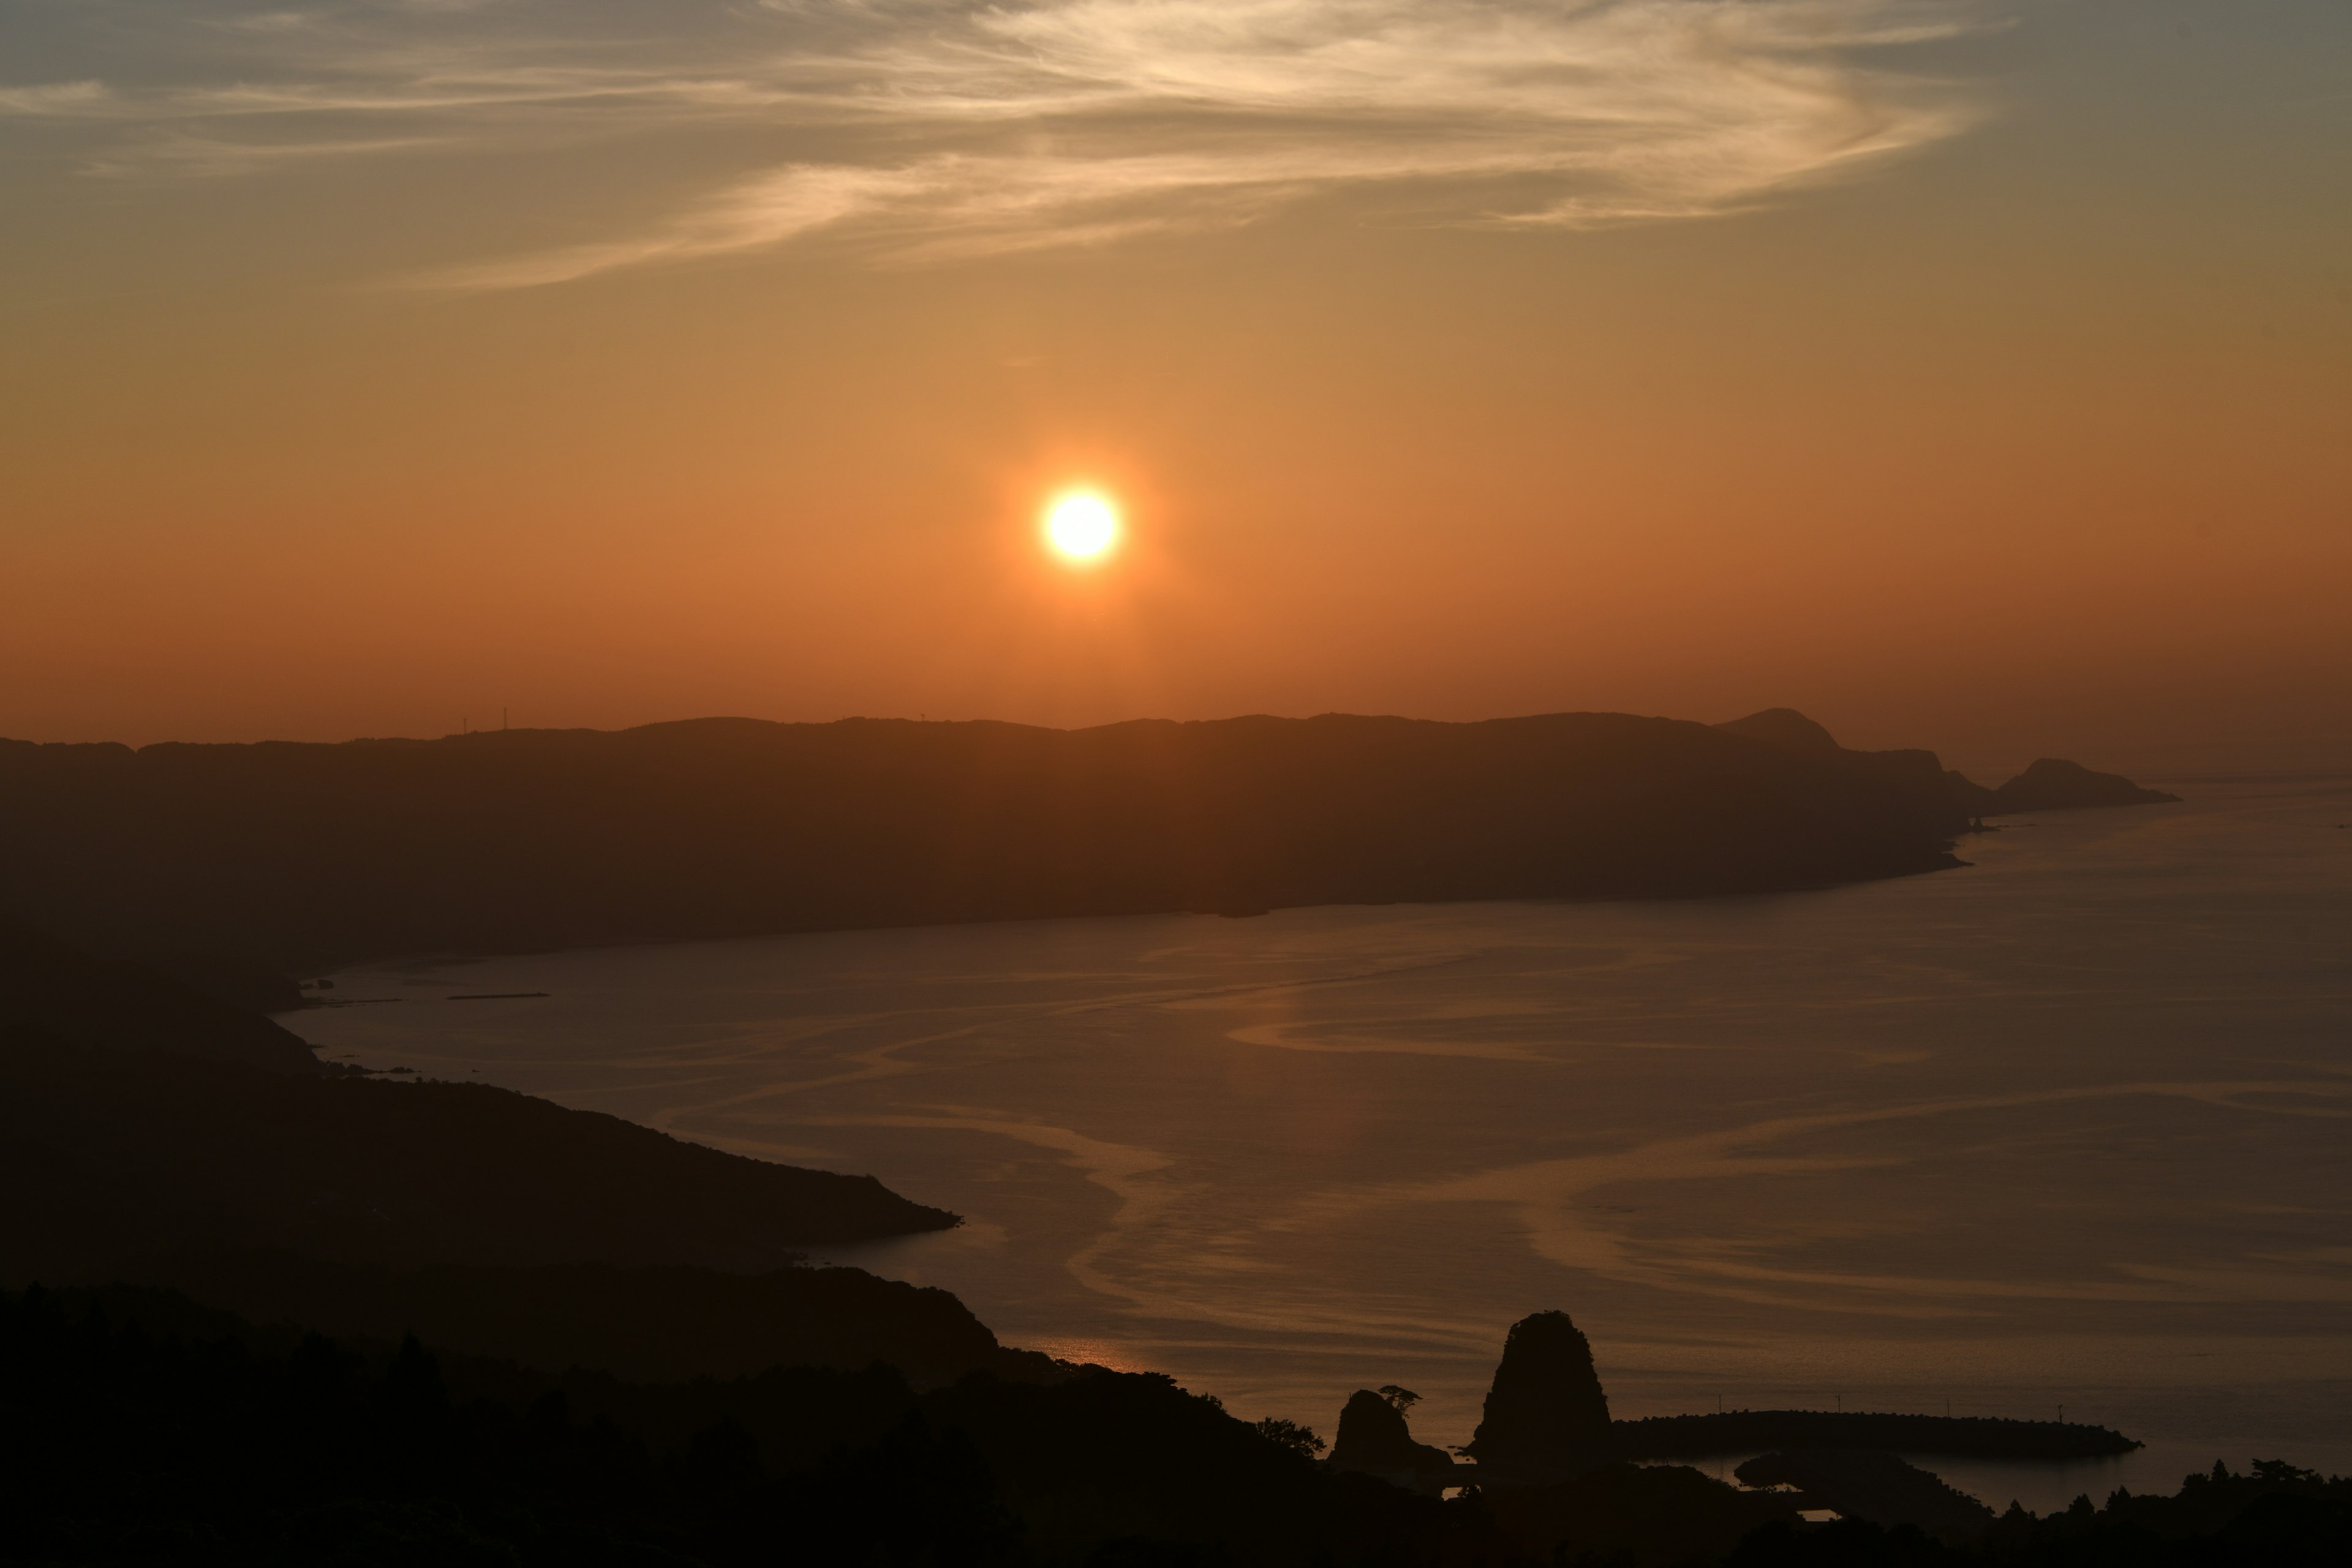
954	129
62	100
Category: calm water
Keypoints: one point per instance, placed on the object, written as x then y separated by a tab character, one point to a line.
2066	1127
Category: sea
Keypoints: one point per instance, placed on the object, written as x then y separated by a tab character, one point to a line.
2064	1131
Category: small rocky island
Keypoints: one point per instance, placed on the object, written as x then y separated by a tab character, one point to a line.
2051	784
1546	1421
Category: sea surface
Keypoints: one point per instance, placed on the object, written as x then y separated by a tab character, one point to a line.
2066	1128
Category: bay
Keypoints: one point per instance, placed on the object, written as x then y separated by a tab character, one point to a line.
2064	1128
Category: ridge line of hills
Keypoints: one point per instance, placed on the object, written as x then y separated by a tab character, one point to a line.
283	856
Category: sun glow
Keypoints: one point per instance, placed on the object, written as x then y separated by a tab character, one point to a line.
1081	526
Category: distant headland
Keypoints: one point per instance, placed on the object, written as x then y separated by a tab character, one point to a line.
2050	785
281	855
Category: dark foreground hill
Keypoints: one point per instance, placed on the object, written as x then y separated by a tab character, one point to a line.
309	854
139	1428
144	1428
86	1004
106	1156
657	1323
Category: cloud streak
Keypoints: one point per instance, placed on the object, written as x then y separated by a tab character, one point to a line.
960	130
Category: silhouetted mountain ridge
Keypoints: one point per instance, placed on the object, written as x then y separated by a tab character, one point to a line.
537	839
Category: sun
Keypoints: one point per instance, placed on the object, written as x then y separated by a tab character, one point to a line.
1081	526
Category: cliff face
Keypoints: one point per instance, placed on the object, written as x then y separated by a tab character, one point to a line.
1545	1415
506	842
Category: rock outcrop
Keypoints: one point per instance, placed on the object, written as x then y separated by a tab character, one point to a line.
660	1324
1375	1438
1546	1416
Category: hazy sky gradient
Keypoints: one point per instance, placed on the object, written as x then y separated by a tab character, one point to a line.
1970	375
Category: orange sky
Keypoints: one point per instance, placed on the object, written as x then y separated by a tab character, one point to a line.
1982	379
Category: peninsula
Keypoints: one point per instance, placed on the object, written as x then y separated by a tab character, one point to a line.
286	857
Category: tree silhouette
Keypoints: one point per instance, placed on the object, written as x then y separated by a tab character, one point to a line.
1290	1434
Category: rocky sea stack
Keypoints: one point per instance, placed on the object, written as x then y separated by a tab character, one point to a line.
1374	1438
1545	1415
